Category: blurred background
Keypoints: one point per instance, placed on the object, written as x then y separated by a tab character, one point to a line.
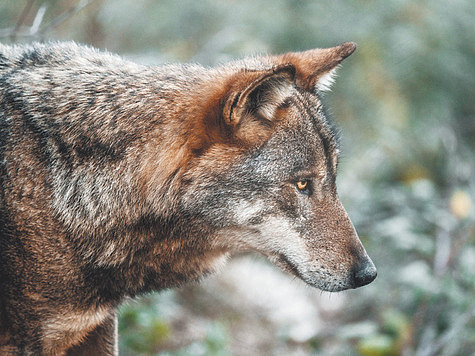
405	104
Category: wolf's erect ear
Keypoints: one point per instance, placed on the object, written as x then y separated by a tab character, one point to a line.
256	95
315	68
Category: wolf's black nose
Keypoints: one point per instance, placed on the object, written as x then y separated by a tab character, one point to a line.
364	273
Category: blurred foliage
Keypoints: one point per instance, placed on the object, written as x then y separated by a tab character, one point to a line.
405	102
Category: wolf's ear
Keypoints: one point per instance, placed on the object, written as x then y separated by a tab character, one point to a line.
315	68
256	95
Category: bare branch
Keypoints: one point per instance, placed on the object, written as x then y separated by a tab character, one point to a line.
65	15
21	19
36	30
38	20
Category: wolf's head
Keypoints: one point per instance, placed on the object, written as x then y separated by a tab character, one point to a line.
265	178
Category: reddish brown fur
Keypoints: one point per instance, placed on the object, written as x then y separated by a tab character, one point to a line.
311	65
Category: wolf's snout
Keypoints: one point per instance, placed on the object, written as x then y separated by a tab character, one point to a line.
364	273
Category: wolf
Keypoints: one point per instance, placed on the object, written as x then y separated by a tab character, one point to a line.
117	179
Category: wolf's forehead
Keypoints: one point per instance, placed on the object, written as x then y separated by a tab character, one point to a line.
303	142
308	133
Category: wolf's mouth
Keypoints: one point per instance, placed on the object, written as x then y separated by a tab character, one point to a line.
287	265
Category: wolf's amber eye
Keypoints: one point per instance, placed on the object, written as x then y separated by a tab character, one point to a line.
303	186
